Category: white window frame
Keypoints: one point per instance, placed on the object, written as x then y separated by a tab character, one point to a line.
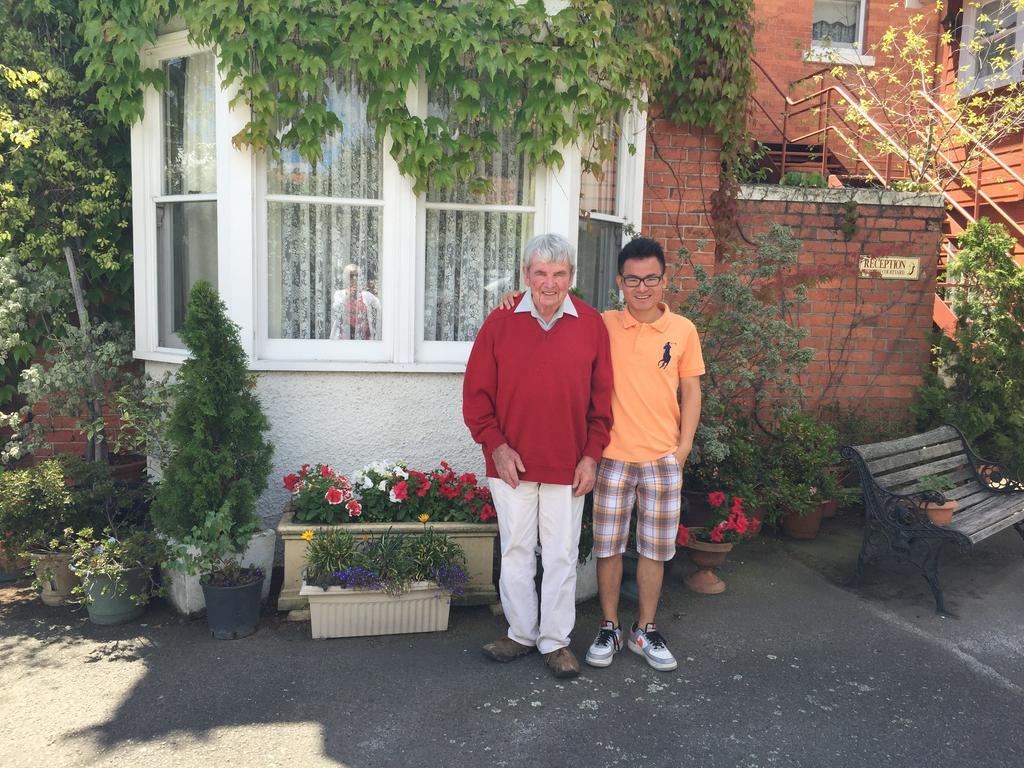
842	53
234	233
970	84
242	247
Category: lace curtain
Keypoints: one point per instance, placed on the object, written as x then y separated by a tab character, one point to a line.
186	231
325	269
473	251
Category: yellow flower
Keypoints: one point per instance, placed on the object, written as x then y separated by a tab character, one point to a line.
424	517
308	535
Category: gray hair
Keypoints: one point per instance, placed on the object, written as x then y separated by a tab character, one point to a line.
550	248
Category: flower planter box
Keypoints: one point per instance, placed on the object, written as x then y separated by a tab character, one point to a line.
337	612
476	539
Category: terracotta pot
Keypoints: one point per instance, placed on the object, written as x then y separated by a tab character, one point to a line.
940	514
802	526
706	556
829	509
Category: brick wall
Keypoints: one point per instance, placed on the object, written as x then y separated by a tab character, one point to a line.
870	335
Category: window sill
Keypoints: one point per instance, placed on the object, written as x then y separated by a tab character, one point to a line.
317	365
824	55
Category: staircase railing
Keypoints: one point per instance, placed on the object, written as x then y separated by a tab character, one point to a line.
824	105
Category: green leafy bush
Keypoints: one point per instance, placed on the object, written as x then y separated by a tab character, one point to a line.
35	507
221	460
978	384
107	557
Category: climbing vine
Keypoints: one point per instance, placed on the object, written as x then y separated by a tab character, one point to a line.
549	75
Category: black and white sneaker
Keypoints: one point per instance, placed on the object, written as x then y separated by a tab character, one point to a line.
607	643
649	643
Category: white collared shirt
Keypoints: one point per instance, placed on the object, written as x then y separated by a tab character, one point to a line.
566	308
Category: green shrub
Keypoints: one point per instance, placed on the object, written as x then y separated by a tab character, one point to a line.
979	381
220	461
35	507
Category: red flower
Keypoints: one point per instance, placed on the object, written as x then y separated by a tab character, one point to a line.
290	481
716	499
304	471
738	521
683	536
334	496
716	532
487	513
737	504
354	508
401	490
424	488
468	478
326	471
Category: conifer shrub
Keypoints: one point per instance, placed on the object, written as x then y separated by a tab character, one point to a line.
220	460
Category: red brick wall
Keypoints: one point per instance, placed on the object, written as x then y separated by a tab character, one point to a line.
870	336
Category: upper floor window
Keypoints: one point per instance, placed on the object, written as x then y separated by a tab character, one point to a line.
837	33
991	45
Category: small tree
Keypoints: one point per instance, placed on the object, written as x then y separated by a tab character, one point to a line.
979	384
902	92
221	460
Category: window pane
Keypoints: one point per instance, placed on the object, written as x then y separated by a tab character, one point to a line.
511	181
835	22
597	263
472	259
351	166
325	271
189	126
186	252
598	195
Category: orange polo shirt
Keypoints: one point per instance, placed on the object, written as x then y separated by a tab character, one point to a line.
648	360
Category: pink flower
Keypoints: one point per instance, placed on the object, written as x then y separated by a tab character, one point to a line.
354	508
326	471
400	492
333	495
738	521
737	504
716	532
716	499
291	481
304	471
683	536
424	488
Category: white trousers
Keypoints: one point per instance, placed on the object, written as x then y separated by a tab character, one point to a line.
555	514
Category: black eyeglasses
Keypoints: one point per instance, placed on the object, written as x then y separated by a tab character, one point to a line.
632	281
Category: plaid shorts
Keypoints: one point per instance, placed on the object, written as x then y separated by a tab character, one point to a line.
656	488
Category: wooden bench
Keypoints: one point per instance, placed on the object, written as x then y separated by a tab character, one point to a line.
891	474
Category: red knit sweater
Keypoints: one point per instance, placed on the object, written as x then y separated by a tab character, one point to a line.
545	393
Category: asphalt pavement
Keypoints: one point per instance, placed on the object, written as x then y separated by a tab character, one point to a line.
786	668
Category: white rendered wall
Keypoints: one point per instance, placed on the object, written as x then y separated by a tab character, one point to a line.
348	419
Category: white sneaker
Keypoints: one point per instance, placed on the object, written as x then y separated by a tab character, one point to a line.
607	643
649	644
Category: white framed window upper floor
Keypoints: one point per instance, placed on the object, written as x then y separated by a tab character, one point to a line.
991	45
837	33
185	226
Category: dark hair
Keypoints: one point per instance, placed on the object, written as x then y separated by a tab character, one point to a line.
641	248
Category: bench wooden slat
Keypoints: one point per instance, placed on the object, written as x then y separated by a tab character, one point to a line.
968	501
902	445
990	517
916	456
962	481
906	476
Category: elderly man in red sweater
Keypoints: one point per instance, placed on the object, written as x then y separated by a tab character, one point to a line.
537	397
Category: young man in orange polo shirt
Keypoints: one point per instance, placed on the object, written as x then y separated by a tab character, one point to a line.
655	355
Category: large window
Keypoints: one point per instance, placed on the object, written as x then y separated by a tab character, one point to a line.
837	33
324	231
992	45
341	263
186	207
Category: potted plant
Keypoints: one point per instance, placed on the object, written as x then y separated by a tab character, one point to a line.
219	462
387	584
387	496
35	507
115	570
933	502
708	545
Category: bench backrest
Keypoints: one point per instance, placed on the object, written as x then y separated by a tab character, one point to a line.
899	465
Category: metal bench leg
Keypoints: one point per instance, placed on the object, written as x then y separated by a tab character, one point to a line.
930	570
1020	528
868	547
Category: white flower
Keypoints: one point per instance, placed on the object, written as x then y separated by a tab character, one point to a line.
367	482
394	499
400	472
382	485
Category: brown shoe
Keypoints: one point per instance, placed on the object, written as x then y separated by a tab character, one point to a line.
562	663
506	649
